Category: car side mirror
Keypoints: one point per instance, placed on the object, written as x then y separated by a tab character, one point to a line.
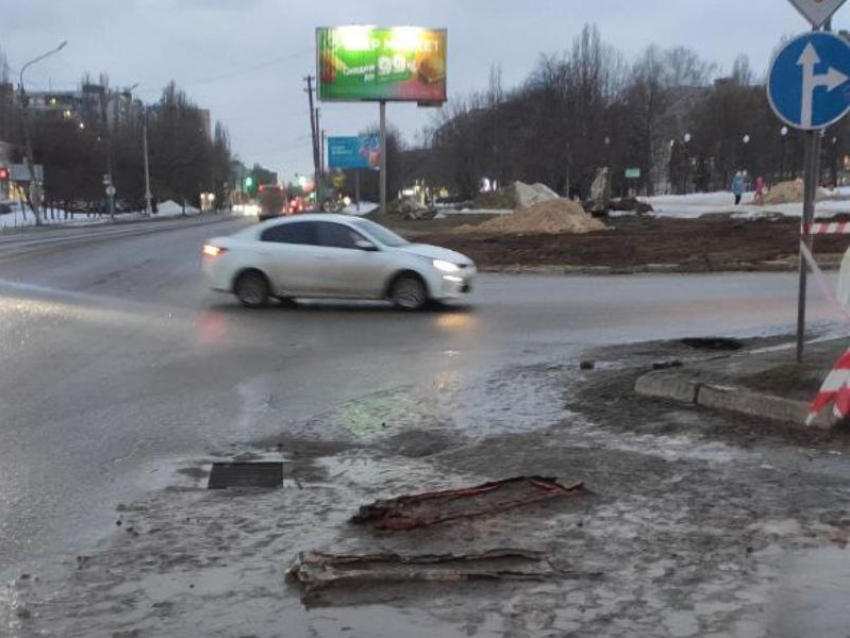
367	246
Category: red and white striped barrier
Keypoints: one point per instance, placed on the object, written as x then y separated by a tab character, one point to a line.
835	390
830	228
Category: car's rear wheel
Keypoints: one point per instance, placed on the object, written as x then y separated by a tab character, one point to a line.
408	292
252	289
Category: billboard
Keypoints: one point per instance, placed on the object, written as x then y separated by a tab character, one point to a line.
366	63
362	151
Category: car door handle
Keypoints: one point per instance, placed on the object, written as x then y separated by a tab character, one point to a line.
261	251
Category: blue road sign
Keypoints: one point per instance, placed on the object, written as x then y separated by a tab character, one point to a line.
809	83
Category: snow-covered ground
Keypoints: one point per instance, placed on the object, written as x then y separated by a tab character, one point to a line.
699	204
19	219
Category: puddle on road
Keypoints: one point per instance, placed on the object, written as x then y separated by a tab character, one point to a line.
518	399
812	597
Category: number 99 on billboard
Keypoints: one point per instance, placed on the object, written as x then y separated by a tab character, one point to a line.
365	63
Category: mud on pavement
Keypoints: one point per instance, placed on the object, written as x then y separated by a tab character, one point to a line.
696	524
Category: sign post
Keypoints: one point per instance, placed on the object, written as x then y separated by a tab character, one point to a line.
110	194
808	89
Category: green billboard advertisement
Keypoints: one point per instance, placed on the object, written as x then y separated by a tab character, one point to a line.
365	63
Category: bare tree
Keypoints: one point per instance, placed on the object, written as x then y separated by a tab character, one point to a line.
742	71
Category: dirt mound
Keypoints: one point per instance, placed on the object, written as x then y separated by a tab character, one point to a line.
549	217
789	193
515	195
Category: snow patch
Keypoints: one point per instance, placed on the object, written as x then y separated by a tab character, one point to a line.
170	208
699	204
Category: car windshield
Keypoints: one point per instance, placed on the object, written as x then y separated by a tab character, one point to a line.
378	232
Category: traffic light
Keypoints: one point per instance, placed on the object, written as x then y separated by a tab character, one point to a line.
4	173
250	185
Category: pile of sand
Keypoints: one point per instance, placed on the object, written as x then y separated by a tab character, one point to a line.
550	218
789	193
515	195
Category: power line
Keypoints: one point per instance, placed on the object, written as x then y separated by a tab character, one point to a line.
215	78
249	69
262	116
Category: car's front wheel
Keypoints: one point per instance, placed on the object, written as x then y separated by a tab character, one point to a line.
252	289
408	292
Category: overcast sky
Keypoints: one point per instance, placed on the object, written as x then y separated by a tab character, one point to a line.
245	59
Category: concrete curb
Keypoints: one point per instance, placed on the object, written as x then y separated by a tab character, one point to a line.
649	269
686	388
675	386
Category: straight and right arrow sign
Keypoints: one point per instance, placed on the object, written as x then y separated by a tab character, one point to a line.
817	11
809	81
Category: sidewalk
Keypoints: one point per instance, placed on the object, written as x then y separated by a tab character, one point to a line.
765	383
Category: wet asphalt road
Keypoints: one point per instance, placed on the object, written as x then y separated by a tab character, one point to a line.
114	356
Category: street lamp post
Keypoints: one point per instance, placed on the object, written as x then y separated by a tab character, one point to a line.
687	157
35	195
148	195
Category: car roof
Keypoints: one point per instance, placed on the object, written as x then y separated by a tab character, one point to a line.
309	217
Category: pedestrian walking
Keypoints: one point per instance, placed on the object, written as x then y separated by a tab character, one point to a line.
738	186
761	190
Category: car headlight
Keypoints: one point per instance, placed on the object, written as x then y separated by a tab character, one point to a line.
445	266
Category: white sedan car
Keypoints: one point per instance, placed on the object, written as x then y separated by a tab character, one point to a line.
333	256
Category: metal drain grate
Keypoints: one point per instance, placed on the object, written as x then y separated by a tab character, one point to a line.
224	475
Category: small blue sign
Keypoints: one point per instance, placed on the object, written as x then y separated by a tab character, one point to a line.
362	151
809	82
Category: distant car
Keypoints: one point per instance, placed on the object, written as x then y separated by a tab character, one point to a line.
333	256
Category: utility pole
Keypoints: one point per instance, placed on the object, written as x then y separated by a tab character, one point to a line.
313	126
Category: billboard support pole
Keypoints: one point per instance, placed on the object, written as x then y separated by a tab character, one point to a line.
357	188
383	157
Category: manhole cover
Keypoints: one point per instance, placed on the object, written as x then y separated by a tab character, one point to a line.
226	475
